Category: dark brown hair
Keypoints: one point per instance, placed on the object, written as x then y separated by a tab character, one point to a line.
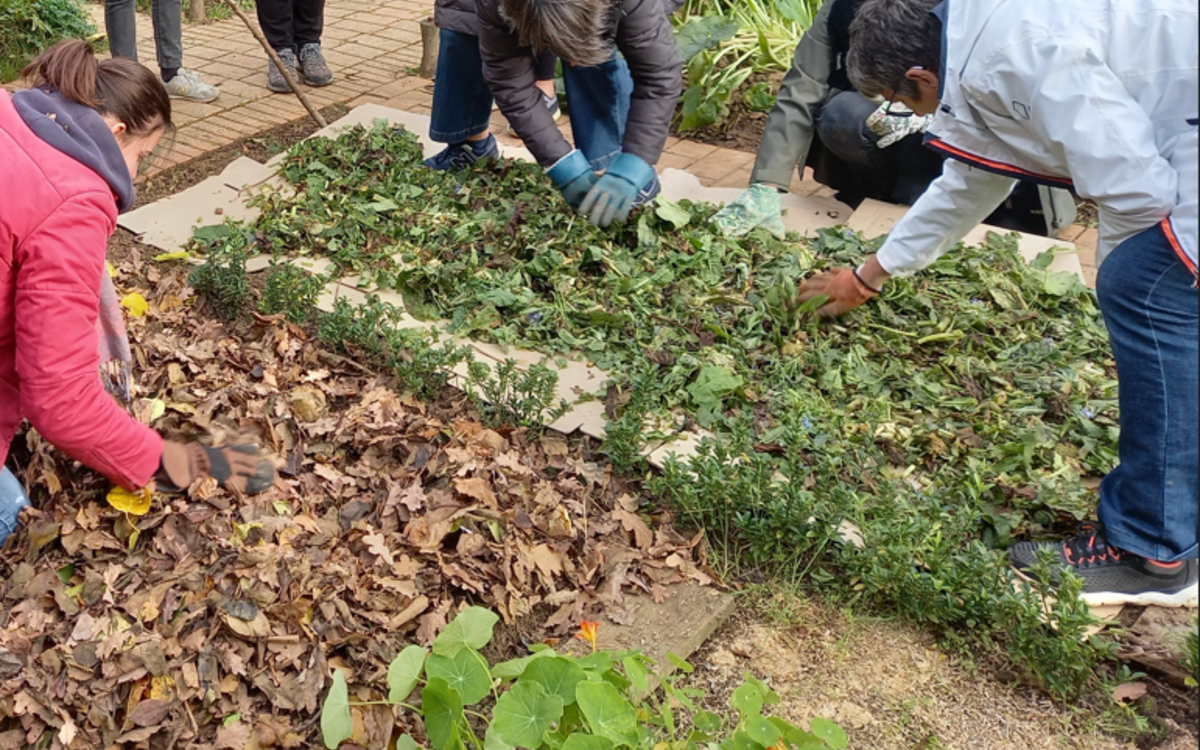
120	88
578	31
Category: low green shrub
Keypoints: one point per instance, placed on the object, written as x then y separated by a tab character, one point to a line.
514	397
291	291
28	27
554	701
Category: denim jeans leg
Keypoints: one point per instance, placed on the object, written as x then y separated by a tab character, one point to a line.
462	102
120	24
167	16
12	500
598	102
1148	503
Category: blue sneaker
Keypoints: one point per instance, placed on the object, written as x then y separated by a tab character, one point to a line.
463	155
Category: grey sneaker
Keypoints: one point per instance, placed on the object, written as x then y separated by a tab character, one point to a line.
1111	575
187	85
313	68
275	80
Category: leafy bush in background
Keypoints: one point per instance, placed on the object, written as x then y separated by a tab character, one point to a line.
29	26
724	42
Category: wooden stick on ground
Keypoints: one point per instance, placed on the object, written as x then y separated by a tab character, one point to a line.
271	53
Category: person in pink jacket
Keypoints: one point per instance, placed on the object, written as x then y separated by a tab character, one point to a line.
70	147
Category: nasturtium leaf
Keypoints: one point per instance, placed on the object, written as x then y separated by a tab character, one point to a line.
558	676
524	713
747	700
466	672
702	33
707	721
404	671
406	742
830	733
762	731
607	713
443	711
513	668
583	741
1059	283
336	724
135	503
493	741
739	740
473	627
759	97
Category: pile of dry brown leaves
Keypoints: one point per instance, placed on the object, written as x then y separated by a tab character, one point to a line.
214	621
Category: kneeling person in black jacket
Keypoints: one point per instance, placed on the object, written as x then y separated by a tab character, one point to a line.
619	121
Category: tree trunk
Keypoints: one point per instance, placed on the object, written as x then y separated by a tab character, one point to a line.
429	48
196	11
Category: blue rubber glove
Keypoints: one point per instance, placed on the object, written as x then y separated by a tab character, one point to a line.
616	191
573	176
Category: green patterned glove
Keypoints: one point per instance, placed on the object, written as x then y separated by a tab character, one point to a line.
894	121
757	207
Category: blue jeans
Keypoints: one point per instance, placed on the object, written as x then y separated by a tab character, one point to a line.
120	23
12	500
1148	503
598	99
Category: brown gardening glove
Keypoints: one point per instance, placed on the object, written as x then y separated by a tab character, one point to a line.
238	468
843	288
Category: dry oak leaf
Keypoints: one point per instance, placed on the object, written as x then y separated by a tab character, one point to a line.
377	545
479	489
1127	692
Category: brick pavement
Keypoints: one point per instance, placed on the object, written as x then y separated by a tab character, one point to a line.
372	47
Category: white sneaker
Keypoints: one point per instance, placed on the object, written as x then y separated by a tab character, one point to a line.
187	85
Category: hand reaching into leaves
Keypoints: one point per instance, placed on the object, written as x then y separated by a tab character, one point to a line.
239	468
842	286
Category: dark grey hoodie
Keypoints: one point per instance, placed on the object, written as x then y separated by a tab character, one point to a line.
80	133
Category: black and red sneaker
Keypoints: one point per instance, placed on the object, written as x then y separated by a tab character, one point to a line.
1111	575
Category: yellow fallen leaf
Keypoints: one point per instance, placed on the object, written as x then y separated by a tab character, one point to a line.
134	503
178	255
112	272
135	303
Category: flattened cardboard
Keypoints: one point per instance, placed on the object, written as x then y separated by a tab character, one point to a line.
804	214
167	224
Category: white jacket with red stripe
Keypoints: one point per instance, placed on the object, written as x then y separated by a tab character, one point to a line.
1101	95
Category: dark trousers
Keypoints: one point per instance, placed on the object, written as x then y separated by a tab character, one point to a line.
291	24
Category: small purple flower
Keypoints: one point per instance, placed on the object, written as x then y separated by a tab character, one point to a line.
807	423
1086	413
976	301
535	317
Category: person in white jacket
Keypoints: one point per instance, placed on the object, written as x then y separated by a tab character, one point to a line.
1102	96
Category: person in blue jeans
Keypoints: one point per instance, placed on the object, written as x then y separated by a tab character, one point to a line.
623	78
12	500
462	100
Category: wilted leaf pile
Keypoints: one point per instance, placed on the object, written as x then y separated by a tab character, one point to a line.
213	621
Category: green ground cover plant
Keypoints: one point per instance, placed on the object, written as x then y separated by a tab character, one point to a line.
957	412
28	27
556	701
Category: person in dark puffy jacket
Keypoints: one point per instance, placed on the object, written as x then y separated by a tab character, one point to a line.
70	147
586	35
462	104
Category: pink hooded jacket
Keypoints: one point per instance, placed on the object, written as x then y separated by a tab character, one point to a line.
56	215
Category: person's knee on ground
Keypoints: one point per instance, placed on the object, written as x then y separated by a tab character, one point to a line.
841	124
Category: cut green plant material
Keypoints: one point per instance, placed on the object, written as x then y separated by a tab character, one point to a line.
955	413
556	701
